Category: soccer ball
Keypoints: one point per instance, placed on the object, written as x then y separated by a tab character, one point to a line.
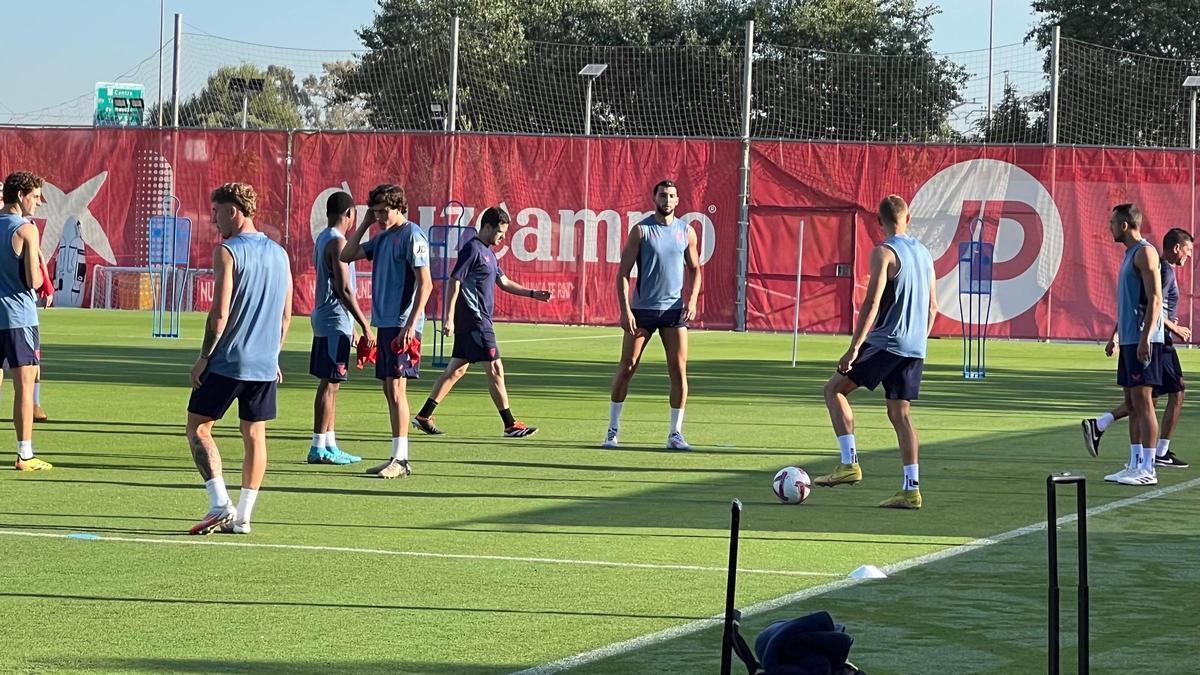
791	485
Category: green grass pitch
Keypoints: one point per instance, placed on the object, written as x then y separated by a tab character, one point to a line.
501	554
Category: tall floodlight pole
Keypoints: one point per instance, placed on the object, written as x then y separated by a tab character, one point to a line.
1192	82
591	71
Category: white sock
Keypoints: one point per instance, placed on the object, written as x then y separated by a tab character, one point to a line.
217	494
911	477
846	445
614	414
1104	420
25	449
318	441
1135	455
246	499
330	439
37	393
676	420
1148	459
400	448
1164	444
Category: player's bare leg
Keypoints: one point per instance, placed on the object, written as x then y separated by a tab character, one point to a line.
909	496
1164	456
841	415
23	379
254	467
1143	437
455	370
208	462
632	348
513	427
675	343
395	390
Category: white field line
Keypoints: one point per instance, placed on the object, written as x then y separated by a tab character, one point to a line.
413	554
650	639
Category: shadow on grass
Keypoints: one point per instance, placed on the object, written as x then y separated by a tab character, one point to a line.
329	605
216	665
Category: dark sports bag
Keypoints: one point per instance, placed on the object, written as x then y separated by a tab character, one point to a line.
809	645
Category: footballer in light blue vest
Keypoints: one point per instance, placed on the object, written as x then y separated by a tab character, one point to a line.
1141	334
662	247
239	357
400	287
888	348
21	271
335	311
1177	246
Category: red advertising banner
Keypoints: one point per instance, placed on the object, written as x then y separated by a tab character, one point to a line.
573	200
1045	210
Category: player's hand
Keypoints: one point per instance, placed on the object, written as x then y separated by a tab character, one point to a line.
368	219
198	369
1110	348
410	332
847	360
628	324
690	311
543	296
1185	333
370	334
448	327
50	303
278	375
1143	352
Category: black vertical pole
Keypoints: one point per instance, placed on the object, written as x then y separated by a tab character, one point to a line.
1084	627
1052	664
735	521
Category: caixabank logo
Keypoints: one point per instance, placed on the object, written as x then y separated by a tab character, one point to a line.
1015	213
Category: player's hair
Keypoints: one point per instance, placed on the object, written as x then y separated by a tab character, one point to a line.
891	208
1174	237
665	183
337	204
19	183
389	195
1129	214
494	216
240	195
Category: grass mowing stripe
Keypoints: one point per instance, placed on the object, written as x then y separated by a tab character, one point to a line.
415	554
686	629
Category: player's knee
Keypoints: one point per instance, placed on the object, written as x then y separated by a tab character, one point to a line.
459	372
496	370
898	414
627	368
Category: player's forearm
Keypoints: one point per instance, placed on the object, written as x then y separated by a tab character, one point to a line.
424	289
866	318
353	249
213	328
694	293
623	293
1153	309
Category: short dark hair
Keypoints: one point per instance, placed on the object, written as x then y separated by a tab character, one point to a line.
891	208
337	204
1129	214
665	183
389	195
1174	237
494	216
241	195
19	183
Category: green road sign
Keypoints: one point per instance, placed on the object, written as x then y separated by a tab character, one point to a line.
119	104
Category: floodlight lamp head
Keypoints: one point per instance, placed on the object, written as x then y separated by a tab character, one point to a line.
1192	81
593	70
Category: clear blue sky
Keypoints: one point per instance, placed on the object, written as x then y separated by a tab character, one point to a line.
79	42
